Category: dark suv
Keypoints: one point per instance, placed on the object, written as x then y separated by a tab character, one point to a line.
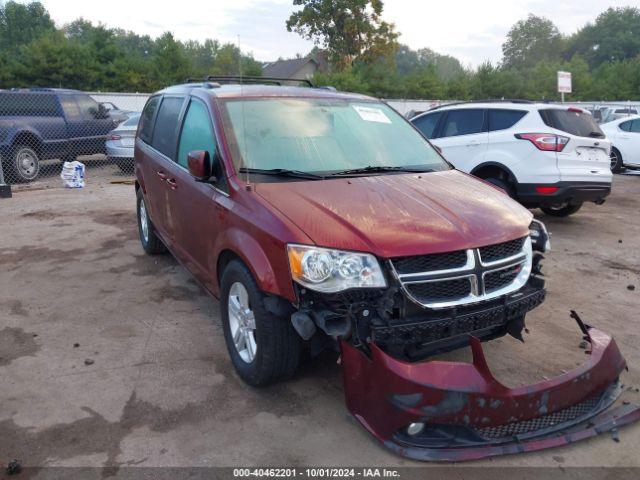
325	220
42	123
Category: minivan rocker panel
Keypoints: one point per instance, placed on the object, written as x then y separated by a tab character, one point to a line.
400	215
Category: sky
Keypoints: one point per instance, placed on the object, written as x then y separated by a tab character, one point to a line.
472	31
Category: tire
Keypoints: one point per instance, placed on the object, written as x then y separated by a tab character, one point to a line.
503	184
267	353
617	164
561	211
148	238
24	164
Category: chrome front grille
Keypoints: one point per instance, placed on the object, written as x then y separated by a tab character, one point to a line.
462	277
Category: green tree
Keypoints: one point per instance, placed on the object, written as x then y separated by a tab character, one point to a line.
614	36
349	30
531	41
20	24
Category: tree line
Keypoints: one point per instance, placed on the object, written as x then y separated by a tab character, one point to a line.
363	51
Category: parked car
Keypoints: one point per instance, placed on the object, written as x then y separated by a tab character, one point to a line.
614	113
547	156
624	134
324	220
115	112
41	123
120	143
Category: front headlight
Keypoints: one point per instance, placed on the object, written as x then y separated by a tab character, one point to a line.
329	271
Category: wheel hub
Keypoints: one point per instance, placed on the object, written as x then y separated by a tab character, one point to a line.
242	322
144	221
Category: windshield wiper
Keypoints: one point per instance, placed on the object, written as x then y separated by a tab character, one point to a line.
282	172
379	168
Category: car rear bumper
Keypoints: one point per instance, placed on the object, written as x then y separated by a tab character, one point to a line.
467	414
534	195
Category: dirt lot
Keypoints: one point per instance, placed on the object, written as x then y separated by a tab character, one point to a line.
109	357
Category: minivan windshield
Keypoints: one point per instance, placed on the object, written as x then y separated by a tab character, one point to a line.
324	136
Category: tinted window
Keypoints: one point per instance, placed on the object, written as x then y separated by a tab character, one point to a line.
625	126
635	127
70	106
28	104
88	106
503	119
197	133
463	122
427	123
572	121
165	133
145	127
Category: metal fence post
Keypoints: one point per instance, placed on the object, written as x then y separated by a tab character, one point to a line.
5	190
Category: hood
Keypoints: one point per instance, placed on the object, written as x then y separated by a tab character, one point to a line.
399	215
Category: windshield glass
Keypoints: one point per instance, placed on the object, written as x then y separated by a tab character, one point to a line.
323	136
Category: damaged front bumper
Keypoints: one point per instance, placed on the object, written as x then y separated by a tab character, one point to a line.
450	411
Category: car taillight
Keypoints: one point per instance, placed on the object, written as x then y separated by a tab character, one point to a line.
546	190
545	141
115	137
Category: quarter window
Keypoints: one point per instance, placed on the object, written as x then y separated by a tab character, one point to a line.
464	122
427	124
503	119
626	126
635	126
145	127
165	133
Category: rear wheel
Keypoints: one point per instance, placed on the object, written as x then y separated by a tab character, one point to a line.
25	164
148	238
563	210
263	347
617	165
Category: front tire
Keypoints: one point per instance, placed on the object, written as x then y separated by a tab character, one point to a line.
263	347
25	164
148	238
561	210
617	164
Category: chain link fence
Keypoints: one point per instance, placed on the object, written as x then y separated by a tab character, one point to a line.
40	129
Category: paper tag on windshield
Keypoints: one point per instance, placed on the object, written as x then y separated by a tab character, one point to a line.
370	114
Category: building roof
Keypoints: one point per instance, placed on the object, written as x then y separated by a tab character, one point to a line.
285	68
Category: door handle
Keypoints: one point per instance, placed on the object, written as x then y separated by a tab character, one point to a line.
162	175
473	144
172	183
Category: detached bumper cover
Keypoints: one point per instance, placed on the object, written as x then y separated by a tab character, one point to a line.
469	415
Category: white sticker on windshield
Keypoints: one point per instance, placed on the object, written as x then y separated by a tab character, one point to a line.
371	114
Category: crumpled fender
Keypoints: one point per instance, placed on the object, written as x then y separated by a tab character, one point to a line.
468	414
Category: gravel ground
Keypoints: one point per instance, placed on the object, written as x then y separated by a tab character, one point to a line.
109	357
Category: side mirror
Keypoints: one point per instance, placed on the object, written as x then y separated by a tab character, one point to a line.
199	164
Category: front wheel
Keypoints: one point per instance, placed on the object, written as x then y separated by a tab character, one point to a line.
563	210
263	347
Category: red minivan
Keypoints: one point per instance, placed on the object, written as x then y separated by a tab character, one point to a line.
323	219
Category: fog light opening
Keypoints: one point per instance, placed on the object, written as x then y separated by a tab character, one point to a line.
415	428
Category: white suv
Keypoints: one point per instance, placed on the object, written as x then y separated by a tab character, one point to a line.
548	156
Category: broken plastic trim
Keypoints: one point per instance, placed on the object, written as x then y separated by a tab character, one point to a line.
457	402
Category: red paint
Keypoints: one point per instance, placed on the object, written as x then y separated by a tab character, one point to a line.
371	383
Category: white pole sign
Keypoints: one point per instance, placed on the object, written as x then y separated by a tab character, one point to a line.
564	82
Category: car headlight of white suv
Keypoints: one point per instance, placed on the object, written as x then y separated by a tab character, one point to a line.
327	270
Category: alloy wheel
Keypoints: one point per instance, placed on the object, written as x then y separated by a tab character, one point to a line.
242	322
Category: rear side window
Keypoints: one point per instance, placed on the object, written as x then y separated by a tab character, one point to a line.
573	122
427	124
635	126
88	106
28	104
165	133
145	127
626	126
503	119
464	122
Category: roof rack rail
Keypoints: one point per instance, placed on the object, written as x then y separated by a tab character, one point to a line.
490	100
231	79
